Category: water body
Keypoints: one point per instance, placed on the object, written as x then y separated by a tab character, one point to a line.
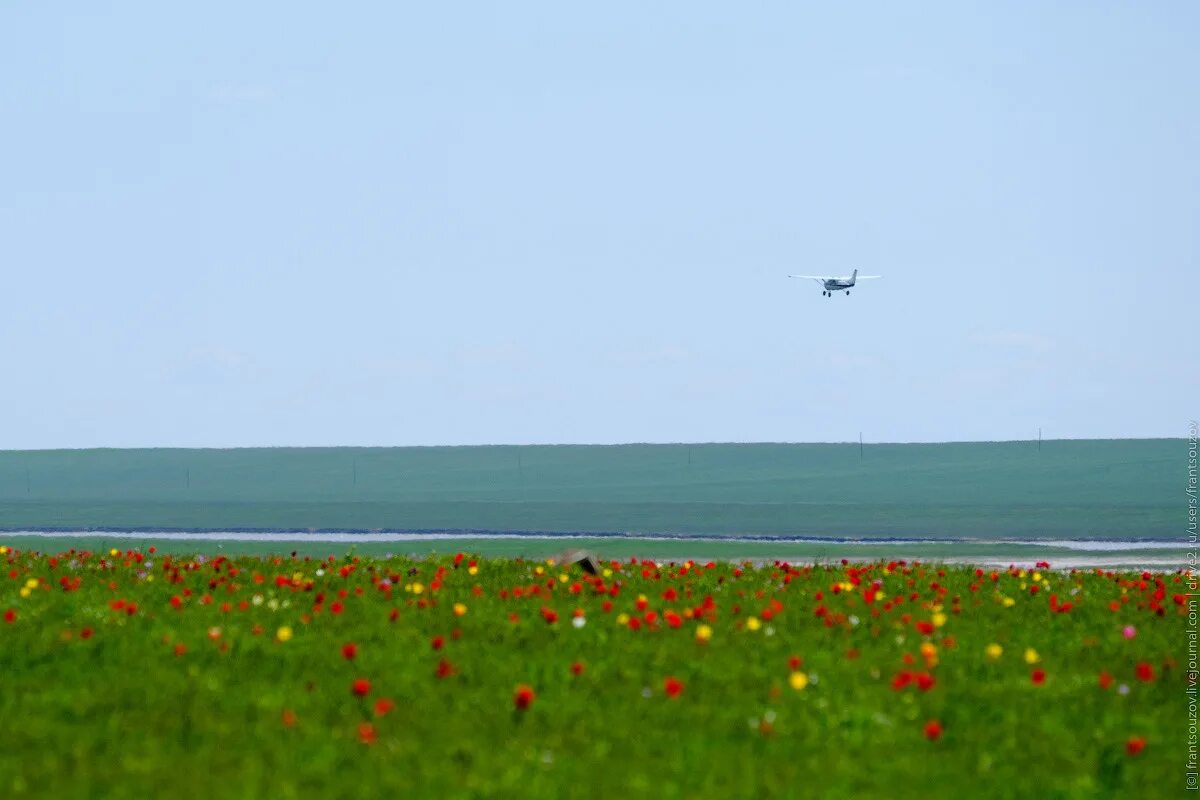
1127	554
358	537
1062	490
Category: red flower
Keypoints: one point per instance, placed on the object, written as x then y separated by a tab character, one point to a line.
550	615
444	669
337	607
933	730
10	616
902	679
349	651
1038	676
1135	745
1105	680
360	687
383	705
925	627
577	668
438	642
288	718
1145	672
86	633
795	663
366	733
523	697
672	686
925	681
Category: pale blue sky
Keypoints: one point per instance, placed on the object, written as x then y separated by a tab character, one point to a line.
297	223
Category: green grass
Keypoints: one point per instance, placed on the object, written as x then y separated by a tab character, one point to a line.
191	701
1121	488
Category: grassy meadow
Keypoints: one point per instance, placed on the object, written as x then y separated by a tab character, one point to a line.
137	673
1106	488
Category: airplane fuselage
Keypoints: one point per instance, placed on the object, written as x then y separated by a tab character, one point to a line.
834	284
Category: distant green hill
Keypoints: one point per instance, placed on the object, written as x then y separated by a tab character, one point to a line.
1107	488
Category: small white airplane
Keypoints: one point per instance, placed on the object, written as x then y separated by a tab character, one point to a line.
837	284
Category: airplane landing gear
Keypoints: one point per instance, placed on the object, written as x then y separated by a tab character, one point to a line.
847	293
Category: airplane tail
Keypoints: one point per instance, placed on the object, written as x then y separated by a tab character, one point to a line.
853	276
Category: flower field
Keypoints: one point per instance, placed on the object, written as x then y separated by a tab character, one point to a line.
139	674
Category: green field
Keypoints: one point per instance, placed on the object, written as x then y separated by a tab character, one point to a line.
1105	488
132	674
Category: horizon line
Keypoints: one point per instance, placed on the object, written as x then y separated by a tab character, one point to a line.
864	442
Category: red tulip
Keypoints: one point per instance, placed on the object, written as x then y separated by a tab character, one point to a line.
523	697
349	651
1135	745
672	686
933	730
361	687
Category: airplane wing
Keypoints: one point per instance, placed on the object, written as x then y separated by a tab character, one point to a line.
868	277
812	277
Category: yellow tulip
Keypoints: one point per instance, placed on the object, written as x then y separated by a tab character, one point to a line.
798	680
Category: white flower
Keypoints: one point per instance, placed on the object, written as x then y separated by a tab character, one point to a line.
579	622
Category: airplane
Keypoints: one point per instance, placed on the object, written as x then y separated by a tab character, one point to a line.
837	284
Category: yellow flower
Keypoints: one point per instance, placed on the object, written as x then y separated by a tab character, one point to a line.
939	619
1037	576
459	609
1031	656
32	583
472	570
114	552
3	550
563	577
538	570
622	618
993	651
417	588
703	633
25	591
753	624
798	680
607	572
1009	602
283	634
